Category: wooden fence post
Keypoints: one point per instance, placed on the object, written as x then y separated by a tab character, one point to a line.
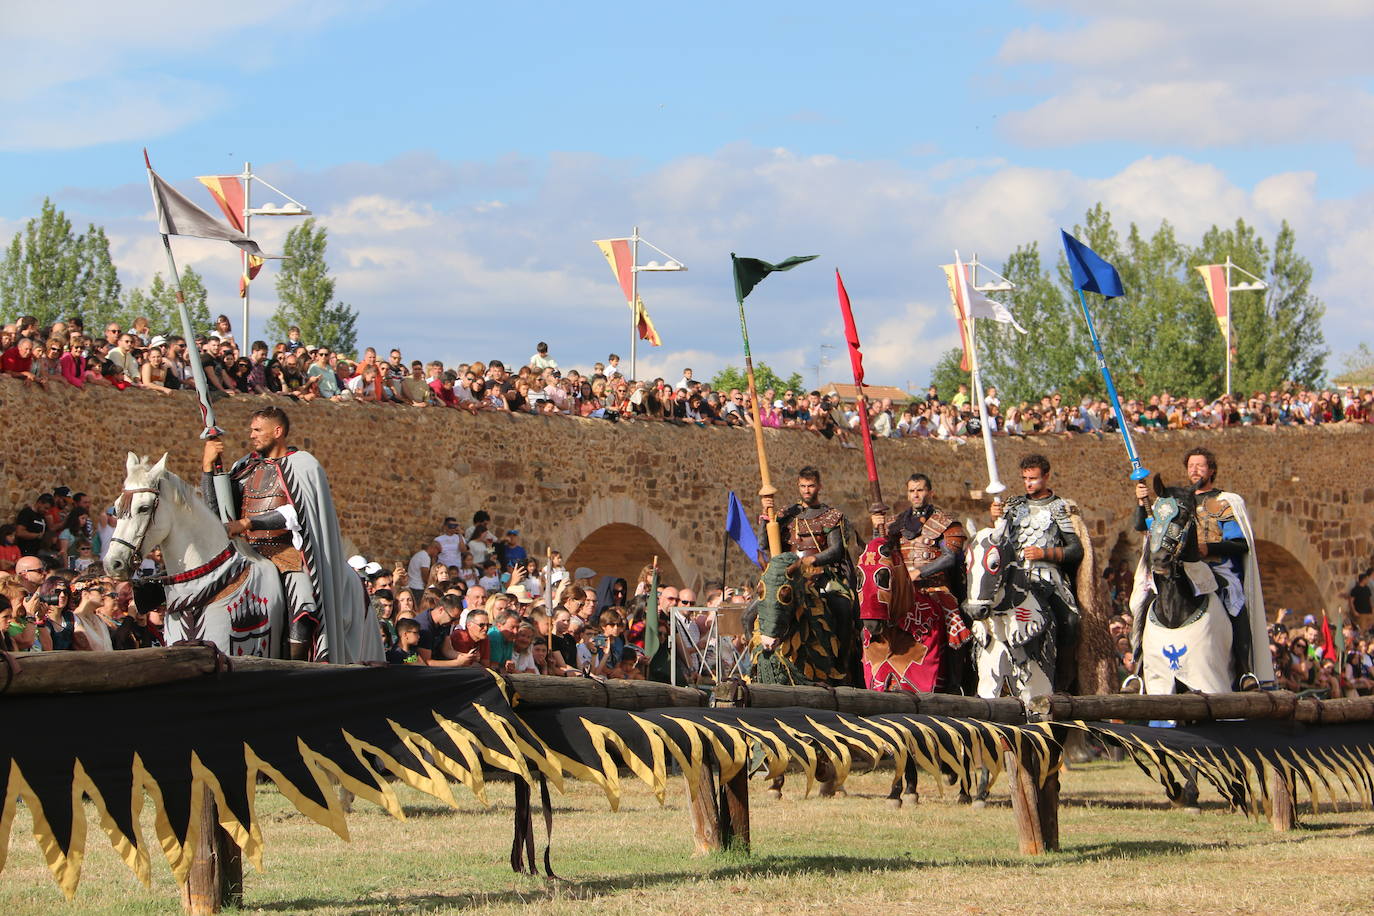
1025	803
705	810
216	876
1282	814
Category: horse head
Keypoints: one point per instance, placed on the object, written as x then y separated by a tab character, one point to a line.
1173	529
988	557
780	588
139	527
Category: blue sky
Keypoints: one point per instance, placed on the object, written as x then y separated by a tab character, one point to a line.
463	156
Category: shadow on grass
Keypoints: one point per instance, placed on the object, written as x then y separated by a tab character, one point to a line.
731	866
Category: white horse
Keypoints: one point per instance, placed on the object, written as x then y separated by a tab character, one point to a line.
218	590
1014	647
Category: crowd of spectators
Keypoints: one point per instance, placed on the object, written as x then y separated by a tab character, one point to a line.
138	357
470	596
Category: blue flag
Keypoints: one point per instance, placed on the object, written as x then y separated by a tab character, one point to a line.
740	531
1090	272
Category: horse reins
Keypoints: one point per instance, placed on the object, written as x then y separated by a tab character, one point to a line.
125	510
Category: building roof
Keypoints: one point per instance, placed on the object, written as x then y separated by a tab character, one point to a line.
847	393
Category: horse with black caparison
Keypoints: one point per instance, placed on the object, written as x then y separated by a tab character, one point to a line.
1181	636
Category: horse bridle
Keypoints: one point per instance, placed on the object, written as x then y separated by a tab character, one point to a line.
124	509
1167	532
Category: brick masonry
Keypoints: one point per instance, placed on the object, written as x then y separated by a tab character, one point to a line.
396	472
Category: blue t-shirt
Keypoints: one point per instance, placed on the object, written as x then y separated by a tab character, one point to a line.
329	382
502	649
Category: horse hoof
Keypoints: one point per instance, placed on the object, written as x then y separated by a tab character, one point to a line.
965	798
911	799
894	803
1191	810
978	804
775	794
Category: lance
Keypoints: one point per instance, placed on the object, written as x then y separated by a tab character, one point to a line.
995	486
1090	272
856	361
223	493
748	272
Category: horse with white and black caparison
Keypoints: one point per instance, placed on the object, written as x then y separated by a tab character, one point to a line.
218	590
1014	645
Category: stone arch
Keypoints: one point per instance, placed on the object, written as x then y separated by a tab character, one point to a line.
1287	583
1292	570
617	536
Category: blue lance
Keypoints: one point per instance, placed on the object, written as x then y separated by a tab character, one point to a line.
1091	272
223	493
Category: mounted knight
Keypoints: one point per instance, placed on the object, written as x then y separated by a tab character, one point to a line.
815	559
1046	535
912	586
1225	547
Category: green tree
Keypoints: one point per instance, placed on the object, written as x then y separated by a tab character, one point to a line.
1158	335
946	375
159	304
41	268
50	273
305	294
1276	333
764	378
97	280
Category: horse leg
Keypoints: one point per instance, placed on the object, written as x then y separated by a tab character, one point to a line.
1186	797
980	788
775	787
825	777
911	795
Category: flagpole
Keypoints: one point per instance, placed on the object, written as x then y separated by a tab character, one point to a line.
1138	471
243	339
878	507
995	485
1228	325
634	303
223	494
766	489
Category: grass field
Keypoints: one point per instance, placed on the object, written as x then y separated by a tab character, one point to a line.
1124	851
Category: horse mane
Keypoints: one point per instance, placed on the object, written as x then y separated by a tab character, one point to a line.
171	486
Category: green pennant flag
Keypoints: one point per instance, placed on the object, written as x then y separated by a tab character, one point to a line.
750	271
651	618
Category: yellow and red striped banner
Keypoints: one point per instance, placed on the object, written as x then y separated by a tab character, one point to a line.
960	312
1219	292
621	259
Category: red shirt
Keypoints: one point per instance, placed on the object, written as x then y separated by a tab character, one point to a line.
462	642
11	361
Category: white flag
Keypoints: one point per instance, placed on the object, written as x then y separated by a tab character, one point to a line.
974	303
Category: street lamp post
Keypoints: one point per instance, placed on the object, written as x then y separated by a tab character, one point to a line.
1255	284
293	207
635	267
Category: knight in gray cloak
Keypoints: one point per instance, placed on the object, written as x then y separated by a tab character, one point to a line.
284	509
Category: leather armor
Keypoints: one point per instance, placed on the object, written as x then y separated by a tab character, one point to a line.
263	490
920	549
808	536
1212	513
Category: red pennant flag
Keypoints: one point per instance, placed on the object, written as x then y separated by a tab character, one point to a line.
1328	642
851	333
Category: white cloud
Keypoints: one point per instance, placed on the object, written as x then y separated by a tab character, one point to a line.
1196	75
458	281
87	72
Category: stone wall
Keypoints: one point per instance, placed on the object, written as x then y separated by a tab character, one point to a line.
397	471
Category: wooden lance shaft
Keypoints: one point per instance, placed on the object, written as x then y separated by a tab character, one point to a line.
767	491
